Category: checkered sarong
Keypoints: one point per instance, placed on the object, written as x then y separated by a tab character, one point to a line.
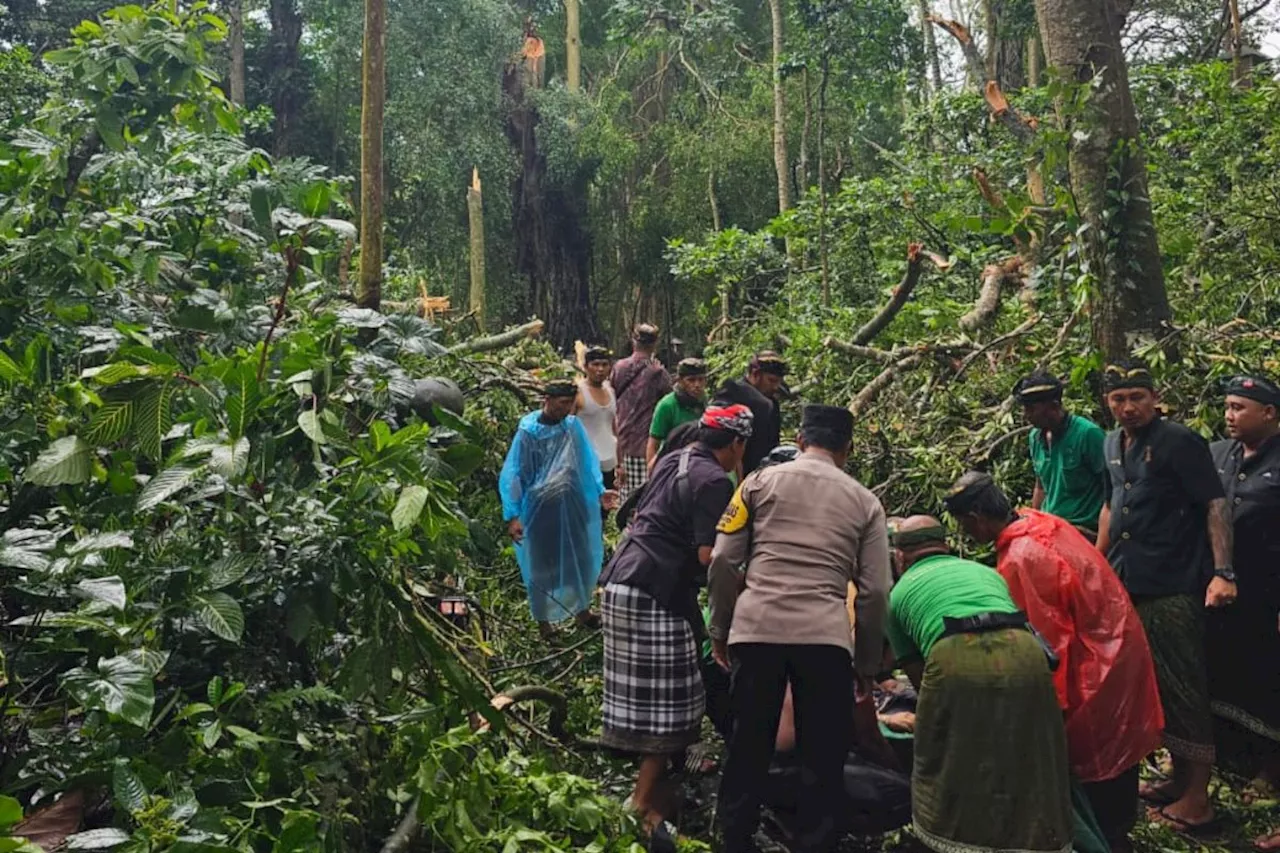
653	694
637	475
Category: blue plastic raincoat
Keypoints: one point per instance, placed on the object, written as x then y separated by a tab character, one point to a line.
551	481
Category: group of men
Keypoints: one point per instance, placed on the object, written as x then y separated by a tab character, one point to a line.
1135	600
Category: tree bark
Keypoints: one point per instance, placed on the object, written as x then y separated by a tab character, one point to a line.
1239	68
505	339
781	162
235	26
1033	61
285	75
1108	174
803	184
930	47
823	256
369	290
475	216
572	46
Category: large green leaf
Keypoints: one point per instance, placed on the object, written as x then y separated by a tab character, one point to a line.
109	591
119	686
244	395
228	570
220	613
309	422
10	371
97	839
111	422
65	462
153	418
128	789
101	542
230	460
409	507
166	484
10	812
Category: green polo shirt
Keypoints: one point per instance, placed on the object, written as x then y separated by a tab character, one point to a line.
1073	471
669	414
935	588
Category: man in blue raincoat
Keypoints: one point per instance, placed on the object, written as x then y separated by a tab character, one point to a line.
551	494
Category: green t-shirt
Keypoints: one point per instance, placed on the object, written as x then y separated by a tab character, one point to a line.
669	414
1073	472
937	587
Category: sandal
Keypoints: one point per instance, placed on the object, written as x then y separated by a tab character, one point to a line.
1184	827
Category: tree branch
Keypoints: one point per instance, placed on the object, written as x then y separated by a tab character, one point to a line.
994	279
877	324
969	359
505	339
868	394
1021	126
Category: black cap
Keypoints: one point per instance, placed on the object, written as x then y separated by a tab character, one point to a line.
963	492
1255	388
560	388
597	353
834	419
691	367
768	361
1037	388
1128	373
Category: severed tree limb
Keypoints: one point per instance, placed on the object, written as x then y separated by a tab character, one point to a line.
512	336
915	261
869	353
995	277
1021	126
1063	334
873	388
405	830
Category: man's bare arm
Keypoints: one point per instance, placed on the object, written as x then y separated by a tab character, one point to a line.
1037	497
1104	529
651	454
1220	532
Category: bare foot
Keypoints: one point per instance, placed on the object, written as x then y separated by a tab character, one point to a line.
1267	843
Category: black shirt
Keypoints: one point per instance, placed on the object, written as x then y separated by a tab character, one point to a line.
1161	488
1253	495
659	554
766	427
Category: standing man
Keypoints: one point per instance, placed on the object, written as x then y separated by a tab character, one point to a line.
653	691
1105	680
597	407
1166	530
551	494
758	391
804	530
683	405
1244	639
1066	453
991	771
639	381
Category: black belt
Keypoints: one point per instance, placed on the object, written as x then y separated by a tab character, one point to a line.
981	623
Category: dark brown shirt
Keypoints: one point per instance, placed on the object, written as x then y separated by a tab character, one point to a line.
640	382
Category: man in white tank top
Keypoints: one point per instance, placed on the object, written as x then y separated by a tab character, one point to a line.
597	408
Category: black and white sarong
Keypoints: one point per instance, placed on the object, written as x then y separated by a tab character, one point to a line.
653	693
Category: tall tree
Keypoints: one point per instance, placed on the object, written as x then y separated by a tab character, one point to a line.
781	162
1108	172
369	290
572	46
284	71
930	47
235	23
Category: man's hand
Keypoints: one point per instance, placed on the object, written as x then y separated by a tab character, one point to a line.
1220	593
720	652
620	475
609	500
515	530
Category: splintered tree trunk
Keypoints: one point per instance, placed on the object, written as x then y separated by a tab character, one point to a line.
1108	174
475	216
235	26
1239	68
553	245
572	46
369	290
780	160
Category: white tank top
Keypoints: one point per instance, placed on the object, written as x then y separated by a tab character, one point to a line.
598	421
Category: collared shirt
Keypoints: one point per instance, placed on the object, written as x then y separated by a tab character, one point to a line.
1161	488
766	426
659	553
936	588
1252	486
1071	466
670	413
639	382
805	529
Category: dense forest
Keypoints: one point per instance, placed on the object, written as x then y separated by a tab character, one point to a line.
233	234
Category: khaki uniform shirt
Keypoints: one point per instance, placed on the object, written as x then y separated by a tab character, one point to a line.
805	531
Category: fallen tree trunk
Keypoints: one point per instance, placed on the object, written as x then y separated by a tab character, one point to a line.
995	278
505	339
901	293
869	353
873	388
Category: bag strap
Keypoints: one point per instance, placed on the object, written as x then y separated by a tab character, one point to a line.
683	489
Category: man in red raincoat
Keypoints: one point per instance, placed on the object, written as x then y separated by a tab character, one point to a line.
1105	680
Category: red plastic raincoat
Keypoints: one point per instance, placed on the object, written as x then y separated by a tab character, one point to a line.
1106	683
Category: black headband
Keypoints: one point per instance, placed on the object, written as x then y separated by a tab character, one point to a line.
1118	376
691	367
923	536
1254	388
1037	389
960	500
560	388
597	354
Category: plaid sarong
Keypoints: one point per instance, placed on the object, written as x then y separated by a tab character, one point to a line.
653	693
1175	632
637	475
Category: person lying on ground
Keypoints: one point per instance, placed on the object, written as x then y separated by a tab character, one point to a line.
552	492
1105	680
991	769
653	692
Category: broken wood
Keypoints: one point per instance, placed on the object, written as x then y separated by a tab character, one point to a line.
915	260
505	339
475	221
869	353
1021	126
995	278
868	394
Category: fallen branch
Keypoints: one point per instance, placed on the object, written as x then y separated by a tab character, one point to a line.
867	395
995	277
1023	329
549	658
877	324
985	453
405	830
1063	334
869	353
512	336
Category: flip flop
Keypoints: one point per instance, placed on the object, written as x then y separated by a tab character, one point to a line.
1194	830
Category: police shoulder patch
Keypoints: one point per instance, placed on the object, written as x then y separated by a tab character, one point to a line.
735	516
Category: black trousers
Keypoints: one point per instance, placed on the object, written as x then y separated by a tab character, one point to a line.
822	692
1115	804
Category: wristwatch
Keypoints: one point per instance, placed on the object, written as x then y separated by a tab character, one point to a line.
1227	573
